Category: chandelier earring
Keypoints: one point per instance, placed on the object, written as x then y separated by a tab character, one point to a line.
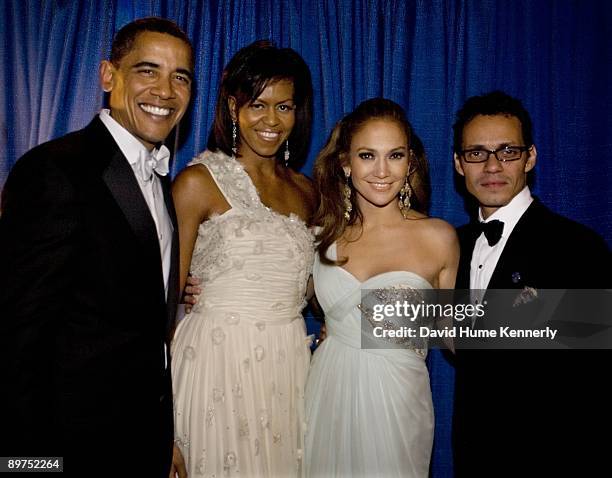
234	136
287	154
346	193
404	198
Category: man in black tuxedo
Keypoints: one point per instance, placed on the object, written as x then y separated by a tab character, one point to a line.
521	412
89	273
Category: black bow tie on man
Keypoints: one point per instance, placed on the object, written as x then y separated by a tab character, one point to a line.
492	231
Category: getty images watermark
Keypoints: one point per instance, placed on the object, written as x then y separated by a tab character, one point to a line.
403	317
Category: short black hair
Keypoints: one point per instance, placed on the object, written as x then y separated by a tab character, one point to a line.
248	73
126	36
491	104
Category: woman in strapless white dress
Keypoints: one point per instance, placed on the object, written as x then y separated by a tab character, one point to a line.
240	358
369	411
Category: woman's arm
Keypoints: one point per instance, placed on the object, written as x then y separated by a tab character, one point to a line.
449	251
191	192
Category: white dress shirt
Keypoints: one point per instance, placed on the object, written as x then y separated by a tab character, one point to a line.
485	257
151	189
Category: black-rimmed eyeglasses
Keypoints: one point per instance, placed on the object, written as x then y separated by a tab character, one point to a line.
503	154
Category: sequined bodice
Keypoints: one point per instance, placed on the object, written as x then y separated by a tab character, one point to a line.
346	301
250	254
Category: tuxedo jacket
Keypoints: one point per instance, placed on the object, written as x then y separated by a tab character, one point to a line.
519	412
84	317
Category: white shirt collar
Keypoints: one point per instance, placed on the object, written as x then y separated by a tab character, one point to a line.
128	144
511	212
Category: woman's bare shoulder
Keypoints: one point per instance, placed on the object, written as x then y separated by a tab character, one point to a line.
196	185
306	189
437	230
193	176
305	184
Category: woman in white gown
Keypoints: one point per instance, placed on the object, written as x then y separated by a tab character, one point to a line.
240	358
369	412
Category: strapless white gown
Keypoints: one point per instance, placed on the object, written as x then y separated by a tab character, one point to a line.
240	359
369	413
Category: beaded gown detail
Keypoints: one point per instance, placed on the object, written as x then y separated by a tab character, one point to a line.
240	359
369	412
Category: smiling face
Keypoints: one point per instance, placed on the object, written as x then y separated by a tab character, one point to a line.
378	163
265	123
494	183
150	88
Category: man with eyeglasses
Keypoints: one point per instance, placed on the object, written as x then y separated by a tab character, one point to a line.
521	412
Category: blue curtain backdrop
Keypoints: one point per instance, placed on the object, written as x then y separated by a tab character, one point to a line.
428	55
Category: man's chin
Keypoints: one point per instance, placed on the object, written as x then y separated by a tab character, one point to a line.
493	199
493	204
154	139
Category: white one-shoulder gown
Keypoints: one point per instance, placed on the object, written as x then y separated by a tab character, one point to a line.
240	359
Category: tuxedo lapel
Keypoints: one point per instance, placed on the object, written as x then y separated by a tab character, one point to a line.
121	182
467	239
515	260
123	185
166	187
173	278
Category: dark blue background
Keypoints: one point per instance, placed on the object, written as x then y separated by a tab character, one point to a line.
428	55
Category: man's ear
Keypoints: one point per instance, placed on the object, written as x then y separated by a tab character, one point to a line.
458	165
531	158
106	74
231	104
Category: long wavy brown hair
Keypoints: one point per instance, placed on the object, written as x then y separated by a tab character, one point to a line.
330	179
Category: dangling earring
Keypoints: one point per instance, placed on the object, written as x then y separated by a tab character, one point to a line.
234	134
287	154
404	198
346	192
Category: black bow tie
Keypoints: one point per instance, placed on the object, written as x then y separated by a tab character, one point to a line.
492	231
